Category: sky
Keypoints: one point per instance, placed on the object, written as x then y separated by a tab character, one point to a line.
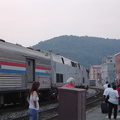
27	22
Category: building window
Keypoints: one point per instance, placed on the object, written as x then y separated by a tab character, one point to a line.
110	60
59	78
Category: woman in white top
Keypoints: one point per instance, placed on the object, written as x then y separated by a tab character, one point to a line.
33	101
113	102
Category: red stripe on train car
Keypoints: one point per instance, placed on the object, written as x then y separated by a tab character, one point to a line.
43	68
12	64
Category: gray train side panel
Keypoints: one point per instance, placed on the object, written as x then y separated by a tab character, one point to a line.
39	70
64	66
11	77
20	55
67	71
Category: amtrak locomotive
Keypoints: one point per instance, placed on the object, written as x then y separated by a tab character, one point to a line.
21	66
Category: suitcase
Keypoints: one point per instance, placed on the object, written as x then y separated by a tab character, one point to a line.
104	107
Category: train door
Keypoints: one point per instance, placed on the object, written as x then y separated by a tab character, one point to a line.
30	70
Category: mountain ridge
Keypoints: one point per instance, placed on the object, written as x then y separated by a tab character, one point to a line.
84	49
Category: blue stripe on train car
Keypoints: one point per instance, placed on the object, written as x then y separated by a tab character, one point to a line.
21	72
12	71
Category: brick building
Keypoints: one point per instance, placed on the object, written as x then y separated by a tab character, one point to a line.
95	73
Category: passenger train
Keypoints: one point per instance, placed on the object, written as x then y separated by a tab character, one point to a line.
21	66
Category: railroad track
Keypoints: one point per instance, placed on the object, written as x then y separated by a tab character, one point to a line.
94	100
50	112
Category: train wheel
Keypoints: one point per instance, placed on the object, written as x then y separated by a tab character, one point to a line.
54	93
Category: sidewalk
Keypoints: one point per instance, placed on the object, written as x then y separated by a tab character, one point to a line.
96	114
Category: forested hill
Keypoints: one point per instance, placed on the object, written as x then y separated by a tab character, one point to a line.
85	50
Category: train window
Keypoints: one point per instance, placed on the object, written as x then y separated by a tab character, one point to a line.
62	60
83	80
59	78
79	65
73	64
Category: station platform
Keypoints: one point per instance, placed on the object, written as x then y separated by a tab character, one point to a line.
96	114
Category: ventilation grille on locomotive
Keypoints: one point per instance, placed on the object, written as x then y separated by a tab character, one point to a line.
10	81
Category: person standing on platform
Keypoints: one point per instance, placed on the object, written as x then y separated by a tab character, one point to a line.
113	102
106	92
105	85
70	83
33	101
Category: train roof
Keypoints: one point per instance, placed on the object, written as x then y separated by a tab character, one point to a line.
34	54
18	49
61	59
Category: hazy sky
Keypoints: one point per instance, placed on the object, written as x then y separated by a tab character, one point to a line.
28	22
